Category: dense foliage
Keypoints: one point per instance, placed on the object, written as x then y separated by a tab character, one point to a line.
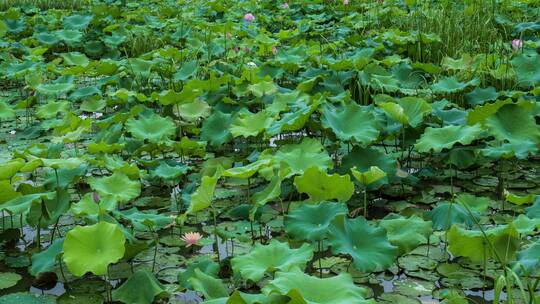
311	151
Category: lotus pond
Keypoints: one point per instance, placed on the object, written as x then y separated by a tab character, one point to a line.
243	151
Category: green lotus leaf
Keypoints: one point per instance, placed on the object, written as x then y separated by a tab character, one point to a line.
63	163
27	298
406	233
91	105
306	289
140	67
249	124
238	297
22	204
269	193
292	121
118	186
45	260
93	248
519	200
527	67
368	177
365	158
407	76
187	146
407	110
479	96
450	84
168	172
10	168
187	70
75	59
202	197
194	110
3	29
371	252
209	286
145	221
446	214
300	157
504	242
6	112
140	288
169	97
69	36
476	203
107	67
7	192
480	113
52	108
55	89
321	186
504	127
528	259
9	279
77	22
437	139
204	264
310	222
525	225
518	149
263	88
154	128
216	128
246	171
534	210
351	122
46	38
276	256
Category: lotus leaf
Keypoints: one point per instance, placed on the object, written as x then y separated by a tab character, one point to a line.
321	186
9	279
371	252
311	222
93	248
140	288
216	127
302	288
153	128
406	233
249	124
351	122
501	243
276	256
437	139
118	186
407	110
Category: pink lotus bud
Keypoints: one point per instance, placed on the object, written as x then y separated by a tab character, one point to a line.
229	35
274	49
249	17
285	5
96	197
517	44
345	2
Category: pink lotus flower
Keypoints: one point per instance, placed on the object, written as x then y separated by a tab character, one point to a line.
517	44
191	238
274	49
249	17
345	2
285	5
